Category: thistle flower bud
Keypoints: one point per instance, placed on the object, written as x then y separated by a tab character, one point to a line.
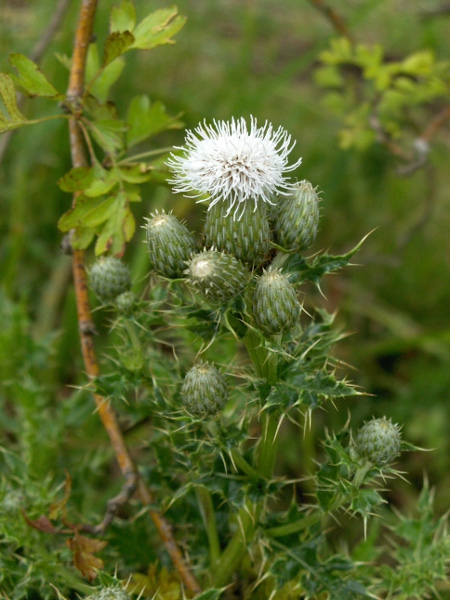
170	244
204	390
217	275
275	305
109	278
378	441
125	302
247	238
297	218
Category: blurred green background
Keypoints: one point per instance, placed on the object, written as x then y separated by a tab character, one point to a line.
249	57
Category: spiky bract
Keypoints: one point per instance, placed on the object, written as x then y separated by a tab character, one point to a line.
297	218
275	306
109	277
204	391
247	238
170	244
379	441
217	275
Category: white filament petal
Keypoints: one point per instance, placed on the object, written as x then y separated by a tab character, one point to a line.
229	162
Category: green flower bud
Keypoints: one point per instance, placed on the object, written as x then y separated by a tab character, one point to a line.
275	306
378	441
247	238
297	218
204	390
125	302
109	278
170	244
217	275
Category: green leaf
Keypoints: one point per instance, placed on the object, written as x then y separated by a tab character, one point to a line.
77	179
88	212
118	229
116	44
101	78
31	78
158	28
321	265
14	118
146	119
135	173
123	17
81	238
109	134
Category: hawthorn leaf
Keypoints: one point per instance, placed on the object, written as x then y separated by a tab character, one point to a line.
88	212
146	119
158	28
13	117
116	44
123	17
31	78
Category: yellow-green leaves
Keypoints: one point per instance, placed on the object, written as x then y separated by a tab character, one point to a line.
146	119
11	117
31	78
154	30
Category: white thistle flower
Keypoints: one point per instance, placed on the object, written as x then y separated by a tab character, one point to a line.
230	163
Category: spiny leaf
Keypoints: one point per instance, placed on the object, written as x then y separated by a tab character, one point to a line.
158	28
321	265
31	78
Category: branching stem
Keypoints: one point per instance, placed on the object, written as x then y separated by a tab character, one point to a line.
107	415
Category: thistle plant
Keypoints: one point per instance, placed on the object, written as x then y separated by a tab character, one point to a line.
210	363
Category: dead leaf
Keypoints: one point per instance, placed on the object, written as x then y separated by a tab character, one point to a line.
83	549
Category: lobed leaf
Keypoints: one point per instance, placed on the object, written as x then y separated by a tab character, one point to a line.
146	119
116	44
123	17
31	78
13	117
158	28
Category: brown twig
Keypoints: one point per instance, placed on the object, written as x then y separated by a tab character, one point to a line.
86	327
36	55
335	18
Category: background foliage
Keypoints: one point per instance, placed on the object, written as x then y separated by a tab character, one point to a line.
286	63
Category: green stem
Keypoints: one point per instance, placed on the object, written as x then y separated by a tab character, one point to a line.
243	465
232	555
209	520
268	445
295	527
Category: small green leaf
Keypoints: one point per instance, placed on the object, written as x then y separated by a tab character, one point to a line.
158	28
31	78
88	212
81	238
123	17
109	134
77	179
135	173
118	229
116	44
103	182
146	119
8	94
107	78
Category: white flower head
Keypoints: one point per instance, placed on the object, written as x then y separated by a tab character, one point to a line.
229	162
